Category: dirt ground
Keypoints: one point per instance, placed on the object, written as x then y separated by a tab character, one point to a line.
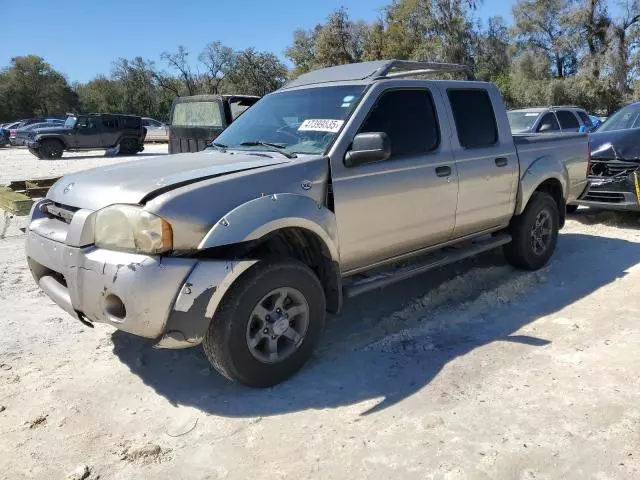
476	371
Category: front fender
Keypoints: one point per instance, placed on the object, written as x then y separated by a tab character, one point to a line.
261	216
60	138
540	170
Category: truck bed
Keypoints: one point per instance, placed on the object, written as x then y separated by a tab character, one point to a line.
571	149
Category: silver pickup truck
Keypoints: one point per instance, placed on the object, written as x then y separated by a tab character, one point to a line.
347	179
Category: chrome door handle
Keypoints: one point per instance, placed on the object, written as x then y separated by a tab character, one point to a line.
501	161
443	171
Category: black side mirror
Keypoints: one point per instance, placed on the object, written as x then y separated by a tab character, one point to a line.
545	127
368	148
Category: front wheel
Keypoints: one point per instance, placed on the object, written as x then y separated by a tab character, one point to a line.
267	324
534	232
51	148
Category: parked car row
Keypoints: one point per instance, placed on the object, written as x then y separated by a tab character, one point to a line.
16	133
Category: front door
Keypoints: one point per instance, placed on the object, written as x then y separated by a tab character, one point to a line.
486	161
403	204
87	133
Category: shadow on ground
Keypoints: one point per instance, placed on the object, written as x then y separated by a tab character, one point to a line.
349	368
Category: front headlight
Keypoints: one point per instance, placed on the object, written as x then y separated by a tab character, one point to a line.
132	229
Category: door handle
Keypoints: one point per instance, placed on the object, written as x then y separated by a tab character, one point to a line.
443	171
501	161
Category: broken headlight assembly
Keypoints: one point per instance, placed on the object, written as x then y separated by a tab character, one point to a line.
129	228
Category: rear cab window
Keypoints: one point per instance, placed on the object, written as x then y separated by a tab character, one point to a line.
197	114
474	117
409	118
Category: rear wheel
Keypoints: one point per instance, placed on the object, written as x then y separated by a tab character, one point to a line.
51	148
36	152
267	324
128	146
535	233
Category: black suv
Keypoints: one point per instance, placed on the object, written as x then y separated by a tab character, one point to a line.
89	132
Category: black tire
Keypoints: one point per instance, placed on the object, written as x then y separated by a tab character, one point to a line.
36	152
128	146
225	342
51	148
521	252
572	209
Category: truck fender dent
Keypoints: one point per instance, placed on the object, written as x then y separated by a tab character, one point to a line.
540	170
198	300
264	215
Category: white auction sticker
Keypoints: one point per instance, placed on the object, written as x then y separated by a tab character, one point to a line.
321	125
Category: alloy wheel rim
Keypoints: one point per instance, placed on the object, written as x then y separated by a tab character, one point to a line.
541	232
277	325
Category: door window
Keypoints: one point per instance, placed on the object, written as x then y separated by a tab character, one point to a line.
408	117
585	119
86	123
549	123
567	120
474	118
110	123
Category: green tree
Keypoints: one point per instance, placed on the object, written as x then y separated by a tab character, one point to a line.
255	73
30	86
539	25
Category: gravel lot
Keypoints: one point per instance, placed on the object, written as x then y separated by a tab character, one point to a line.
476	371
16	163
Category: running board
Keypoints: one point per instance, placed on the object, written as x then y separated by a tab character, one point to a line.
445	257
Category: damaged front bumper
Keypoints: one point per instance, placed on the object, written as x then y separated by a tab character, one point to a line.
169	298
613	193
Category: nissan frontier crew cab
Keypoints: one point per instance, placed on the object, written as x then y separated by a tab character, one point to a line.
322	190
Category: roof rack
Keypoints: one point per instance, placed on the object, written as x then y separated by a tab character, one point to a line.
564	106
405	68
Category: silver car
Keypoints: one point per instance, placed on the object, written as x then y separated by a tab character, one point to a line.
156	131
549	120
319	192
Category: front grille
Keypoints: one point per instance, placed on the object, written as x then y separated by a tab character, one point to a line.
59	211
604	197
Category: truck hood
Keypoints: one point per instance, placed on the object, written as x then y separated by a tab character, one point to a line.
616	145
138	181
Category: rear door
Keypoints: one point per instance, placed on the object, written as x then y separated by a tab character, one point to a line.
110	130
568	121
194	124
486	160
408	202
87	133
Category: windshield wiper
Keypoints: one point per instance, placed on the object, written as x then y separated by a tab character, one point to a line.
273	147
220	146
